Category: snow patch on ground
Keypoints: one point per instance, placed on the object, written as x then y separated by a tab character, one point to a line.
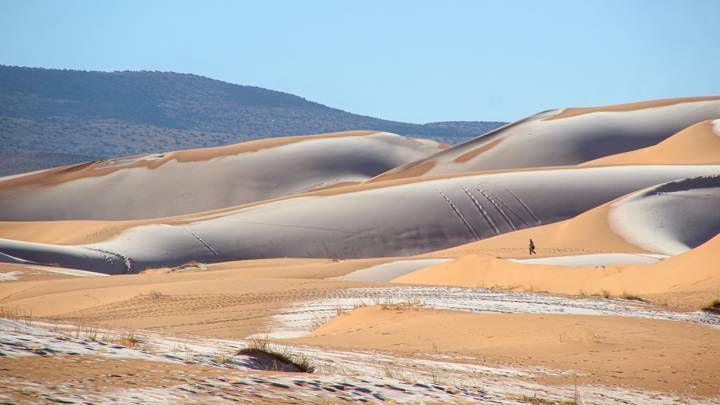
594	260
10	276
298	320
391	270
340	375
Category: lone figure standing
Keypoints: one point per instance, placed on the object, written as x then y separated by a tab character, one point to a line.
531	247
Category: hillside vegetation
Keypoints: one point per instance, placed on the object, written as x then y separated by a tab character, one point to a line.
105	114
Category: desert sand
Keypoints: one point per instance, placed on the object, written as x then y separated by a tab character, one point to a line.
605	348
698	144
398	268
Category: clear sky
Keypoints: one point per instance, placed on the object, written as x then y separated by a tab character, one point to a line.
415	61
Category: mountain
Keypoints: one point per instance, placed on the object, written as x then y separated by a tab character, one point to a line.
107	114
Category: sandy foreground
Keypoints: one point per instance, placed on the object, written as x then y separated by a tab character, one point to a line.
676	357
538	349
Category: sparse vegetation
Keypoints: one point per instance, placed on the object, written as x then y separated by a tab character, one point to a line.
535	400
261	347
402	306
713	306
16	313
129	339
114	114
628	296
390	372
153	295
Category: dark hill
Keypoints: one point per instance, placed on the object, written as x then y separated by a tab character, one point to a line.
104	114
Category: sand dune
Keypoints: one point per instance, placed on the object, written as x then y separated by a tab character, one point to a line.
697	144
566	137
694	274
666	219
172	183
386	220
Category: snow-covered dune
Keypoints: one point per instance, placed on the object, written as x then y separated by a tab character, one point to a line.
567	137
661	220
384	219
172	183
670	218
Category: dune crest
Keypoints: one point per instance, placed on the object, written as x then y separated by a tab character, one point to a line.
557	137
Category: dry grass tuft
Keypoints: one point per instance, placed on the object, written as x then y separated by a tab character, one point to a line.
263	347
629	296
402	306
153	295
713	306
129	339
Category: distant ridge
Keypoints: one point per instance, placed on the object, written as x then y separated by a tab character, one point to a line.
107	114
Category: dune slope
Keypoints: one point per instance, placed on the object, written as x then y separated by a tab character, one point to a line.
695	275
697	144
566	137
172	183
390	219
666	219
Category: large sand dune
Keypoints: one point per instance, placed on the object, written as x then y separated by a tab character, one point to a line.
666	219
393	219
185	181
567	137
680	217
693	276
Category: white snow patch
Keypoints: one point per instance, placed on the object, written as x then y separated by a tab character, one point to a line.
69	272
299	319
594	260
391	270
10	276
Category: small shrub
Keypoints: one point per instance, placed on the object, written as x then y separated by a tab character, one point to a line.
535	400
153	295
629	296
402	306
129	339
713	306
260	348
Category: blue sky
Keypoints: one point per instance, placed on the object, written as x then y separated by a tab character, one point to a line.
414	61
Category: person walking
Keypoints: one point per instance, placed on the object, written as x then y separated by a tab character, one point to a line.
531	247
